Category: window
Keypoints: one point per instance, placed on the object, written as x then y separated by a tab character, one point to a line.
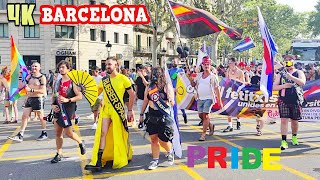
138	43
149	41
93	35
64	32
3	4
116	37
92	2
32	31
103	36
63	2
4	30
126	39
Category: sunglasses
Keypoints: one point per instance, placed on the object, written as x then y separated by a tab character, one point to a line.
289	63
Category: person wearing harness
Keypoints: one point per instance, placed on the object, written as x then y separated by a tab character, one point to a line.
159	96
289	84
64	99
36	88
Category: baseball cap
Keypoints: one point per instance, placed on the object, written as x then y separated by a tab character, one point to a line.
206	60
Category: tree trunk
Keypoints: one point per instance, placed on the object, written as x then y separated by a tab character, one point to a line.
214	48
154	48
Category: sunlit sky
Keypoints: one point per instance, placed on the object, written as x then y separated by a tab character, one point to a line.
300	5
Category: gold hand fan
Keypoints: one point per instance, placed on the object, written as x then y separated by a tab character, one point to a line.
87	84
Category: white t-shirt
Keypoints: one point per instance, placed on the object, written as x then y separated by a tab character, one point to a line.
205	87
98	79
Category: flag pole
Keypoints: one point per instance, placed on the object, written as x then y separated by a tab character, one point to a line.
178	31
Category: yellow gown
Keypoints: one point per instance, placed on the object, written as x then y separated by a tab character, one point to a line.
118	148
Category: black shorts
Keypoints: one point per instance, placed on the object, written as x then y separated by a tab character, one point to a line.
35	103
292	111
155	125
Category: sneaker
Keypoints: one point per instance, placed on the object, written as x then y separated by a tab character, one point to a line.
43	136
295	141
56	158
170	157
18	137
228	129
259	133
238	125
284	145
185	119
94	126
153	165
82	148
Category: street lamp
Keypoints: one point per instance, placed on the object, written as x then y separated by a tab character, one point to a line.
108	45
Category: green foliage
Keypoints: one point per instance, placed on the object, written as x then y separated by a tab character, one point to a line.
283	23
314	22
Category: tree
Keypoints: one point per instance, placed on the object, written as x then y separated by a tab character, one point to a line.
160	22
284	25
315	21
223	10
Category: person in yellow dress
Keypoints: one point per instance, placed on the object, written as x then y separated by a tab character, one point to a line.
112	135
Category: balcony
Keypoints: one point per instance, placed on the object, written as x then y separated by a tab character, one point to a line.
146	29
142	50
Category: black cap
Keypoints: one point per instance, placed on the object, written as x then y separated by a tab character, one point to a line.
141	67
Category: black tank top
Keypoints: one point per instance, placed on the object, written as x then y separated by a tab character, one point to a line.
291	96
154	112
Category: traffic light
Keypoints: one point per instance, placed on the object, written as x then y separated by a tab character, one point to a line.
183	52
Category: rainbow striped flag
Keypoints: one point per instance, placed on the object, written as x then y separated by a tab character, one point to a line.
17	66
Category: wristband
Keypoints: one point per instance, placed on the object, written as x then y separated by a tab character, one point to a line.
141	114
129	110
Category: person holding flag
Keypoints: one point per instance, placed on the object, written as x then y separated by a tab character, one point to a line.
173	72
289	84
36	88
159	96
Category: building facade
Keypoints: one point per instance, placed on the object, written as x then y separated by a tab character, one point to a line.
84	46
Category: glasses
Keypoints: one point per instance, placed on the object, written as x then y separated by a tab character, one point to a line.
288	63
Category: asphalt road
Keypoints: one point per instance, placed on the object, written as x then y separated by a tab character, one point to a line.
31	159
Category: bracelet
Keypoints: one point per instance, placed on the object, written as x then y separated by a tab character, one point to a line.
129	110
141	114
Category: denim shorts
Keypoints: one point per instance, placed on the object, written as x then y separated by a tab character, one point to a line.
204	106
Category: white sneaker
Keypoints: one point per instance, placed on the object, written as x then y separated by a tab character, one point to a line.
94	126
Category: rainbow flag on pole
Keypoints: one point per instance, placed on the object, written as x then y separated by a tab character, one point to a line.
17	66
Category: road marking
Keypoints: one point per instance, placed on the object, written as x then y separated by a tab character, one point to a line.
293	171
7	144
191	172
278	134
83	158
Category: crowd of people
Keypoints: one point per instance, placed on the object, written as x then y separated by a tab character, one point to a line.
148	87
